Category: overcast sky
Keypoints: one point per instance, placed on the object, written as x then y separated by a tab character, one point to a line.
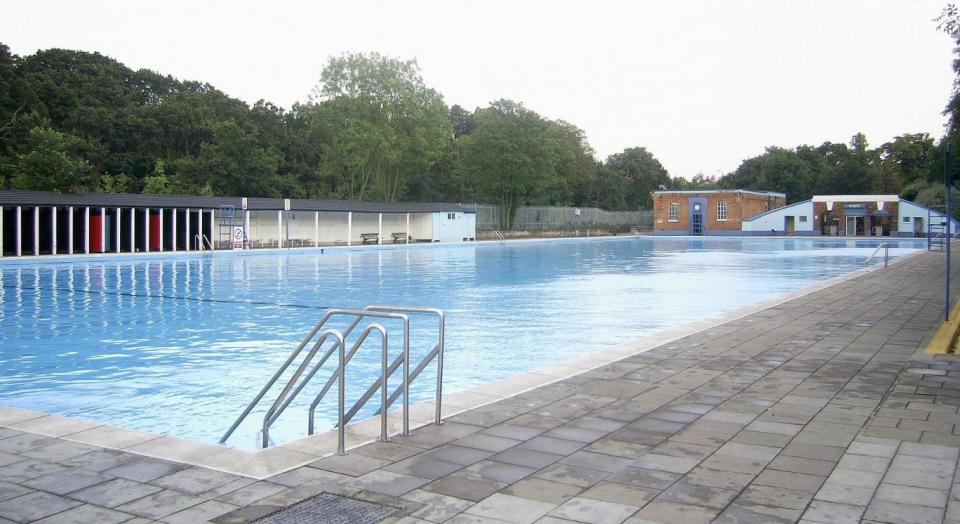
701	84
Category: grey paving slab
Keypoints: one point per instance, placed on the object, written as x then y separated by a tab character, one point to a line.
34	506
87	514
114	492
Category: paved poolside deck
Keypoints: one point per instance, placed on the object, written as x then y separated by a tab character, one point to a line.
820	409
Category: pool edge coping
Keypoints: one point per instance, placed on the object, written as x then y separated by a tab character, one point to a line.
263	464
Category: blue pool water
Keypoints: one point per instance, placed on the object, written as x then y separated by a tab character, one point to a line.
180	344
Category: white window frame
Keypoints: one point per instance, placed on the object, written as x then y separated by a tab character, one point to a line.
673	212
721	211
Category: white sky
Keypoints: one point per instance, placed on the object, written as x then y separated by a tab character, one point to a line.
702	84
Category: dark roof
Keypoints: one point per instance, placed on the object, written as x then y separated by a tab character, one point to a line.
48	199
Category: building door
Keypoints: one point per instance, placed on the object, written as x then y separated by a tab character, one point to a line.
788	226
851	229
697	208
918	227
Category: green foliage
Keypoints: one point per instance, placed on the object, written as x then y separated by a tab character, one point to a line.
48	163
642	174
157	183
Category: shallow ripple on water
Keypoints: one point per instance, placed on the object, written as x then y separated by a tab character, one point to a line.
181	345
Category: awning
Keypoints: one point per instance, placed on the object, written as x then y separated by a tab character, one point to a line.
880	213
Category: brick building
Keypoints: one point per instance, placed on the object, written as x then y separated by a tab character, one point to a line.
710	212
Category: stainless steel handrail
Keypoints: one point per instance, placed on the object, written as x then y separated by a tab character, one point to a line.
441	336
499	235
283	367
886	253
200	238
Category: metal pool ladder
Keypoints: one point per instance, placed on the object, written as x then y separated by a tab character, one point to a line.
304	372
886	253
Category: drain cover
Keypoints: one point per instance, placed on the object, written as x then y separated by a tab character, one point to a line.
327	507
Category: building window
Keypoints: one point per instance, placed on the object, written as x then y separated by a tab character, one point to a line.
803	218
451	216
674	213
906	219
721	211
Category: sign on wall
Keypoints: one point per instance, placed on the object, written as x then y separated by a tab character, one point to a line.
237	237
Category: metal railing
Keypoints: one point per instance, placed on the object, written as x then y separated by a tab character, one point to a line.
499	235
304	373
200	242
886	253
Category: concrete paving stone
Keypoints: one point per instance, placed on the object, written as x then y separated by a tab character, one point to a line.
617	448
929	451
438	508
683	449
498	471
734	463
598	423
639	436
666	463
653	425
789	480
18	444
144	469
620	493
543	490
58	451
487	442
389	451
574	475
100	460
34	506
425	468
512	431
457	454
802	465
729	416
63	482
760	453
298	476
833	513
202	512
194	480
670	415
466	518
742	513
583	435
774	427
526	457
718	479
353	464
251	493
849	477
761	439
556	446
912	495
160	504
464	487
510	508
863	463
895	513
9	458
388	482
670	513
893	433
913	462
598	461
86	514
844	494
114	492
775	497
814	451
698	495
582	509
648	478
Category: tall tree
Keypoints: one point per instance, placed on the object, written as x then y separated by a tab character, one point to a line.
643	174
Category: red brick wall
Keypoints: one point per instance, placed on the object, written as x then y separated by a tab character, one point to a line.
740	206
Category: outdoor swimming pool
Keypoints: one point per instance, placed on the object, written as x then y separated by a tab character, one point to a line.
180	344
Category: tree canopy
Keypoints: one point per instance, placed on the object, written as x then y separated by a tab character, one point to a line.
374	130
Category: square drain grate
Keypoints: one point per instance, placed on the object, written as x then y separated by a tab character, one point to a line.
327	507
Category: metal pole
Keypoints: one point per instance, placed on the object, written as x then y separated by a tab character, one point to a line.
379	228
133	230
384	368
146	230
443	323
948	216
279	229
341	393
406	376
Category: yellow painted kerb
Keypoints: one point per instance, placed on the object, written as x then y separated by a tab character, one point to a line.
946	336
